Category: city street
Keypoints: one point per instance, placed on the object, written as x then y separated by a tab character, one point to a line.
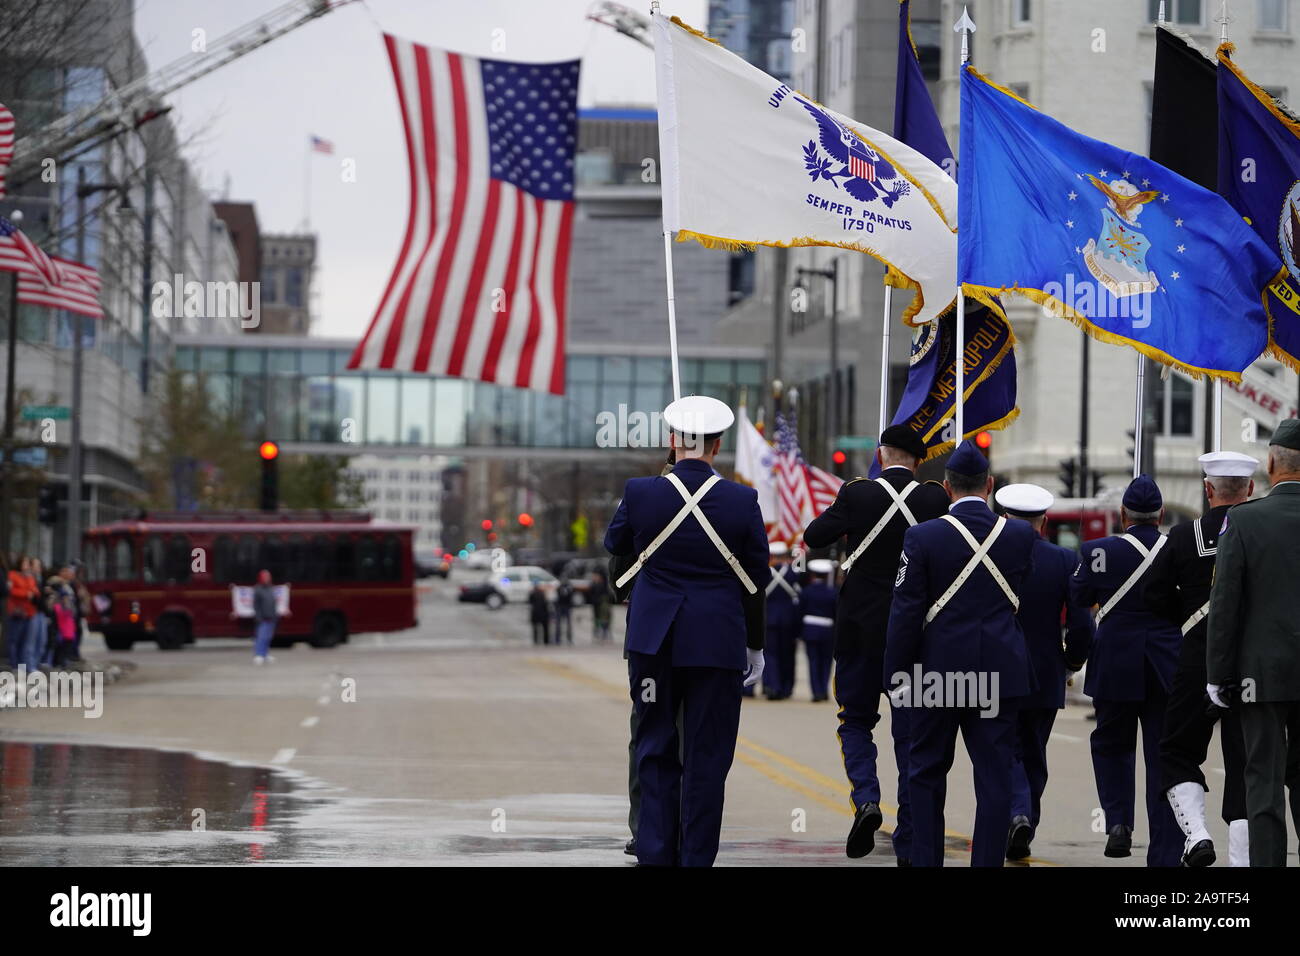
458	742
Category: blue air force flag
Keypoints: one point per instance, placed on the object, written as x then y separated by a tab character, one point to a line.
1259	173
1129	250
749	161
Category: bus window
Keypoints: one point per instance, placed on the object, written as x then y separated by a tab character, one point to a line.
318	563
95	560
272	557
154	569
177	565
246	546
390	558
223	559
345	558
367	558
121	566
296	558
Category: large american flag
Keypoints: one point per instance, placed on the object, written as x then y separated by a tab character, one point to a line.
479	287
803	491
6	143
48	280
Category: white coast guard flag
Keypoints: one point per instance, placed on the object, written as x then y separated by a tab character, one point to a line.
748	161
755	459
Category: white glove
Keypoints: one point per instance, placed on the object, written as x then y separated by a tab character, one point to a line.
1216	694
755	669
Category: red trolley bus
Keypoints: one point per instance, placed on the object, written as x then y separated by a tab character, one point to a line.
168	576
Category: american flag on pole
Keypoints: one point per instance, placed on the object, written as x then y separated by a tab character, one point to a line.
322	146
479	287
6	143
803	491
48	280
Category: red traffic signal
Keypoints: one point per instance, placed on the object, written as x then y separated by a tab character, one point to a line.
492	535
984	440
839	457
269	451
486	524
526	519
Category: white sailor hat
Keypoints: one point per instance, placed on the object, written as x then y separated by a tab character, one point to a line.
1026	501
698	415
777	548
821	566
1228	464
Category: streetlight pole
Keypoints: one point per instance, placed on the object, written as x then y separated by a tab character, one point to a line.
7	453
831	274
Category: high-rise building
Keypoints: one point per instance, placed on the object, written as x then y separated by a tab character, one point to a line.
288	268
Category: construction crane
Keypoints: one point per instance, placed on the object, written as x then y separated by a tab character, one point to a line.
625	21
135	103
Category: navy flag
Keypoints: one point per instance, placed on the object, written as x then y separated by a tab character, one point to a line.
1129	250
1259	173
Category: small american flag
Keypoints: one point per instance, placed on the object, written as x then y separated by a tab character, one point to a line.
794	503
319	145
480	283
862	168
6	143
48	280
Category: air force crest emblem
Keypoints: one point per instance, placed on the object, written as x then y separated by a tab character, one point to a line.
1117	257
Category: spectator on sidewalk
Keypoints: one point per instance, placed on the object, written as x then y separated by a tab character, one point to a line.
265	616
20	609
564	612
539	613
600	599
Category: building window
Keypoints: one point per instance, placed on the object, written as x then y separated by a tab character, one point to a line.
1271	15
926	35
1182	12
1020	89
293	286
1020	12
1175	416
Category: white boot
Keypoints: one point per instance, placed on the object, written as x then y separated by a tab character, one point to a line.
1188	801
1238	843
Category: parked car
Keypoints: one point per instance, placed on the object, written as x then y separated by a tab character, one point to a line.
512	585
430	563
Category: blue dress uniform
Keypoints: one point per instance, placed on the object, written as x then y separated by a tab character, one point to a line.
961	631
686	641
1130	672
1044	604
819	626
783	615
861	620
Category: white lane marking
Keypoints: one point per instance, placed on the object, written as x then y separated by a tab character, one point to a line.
323	699
284	755
310	722
1073	740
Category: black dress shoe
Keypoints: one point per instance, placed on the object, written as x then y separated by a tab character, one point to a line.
630	847
903	861
862	835
1120	841
1018	838
1201	854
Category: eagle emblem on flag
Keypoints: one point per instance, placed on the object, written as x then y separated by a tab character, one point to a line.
867	175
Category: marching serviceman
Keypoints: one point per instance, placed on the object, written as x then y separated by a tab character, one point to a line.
1130	671
782	624
819	625
873	515
1044	603
1178	589
693	638
1253	639
956	656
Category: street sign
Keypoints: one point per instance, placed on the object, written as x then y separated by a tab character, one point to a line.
35	456
856	442
34	413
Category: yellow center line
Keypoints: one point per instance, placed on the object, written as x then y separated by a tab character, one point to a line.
773	757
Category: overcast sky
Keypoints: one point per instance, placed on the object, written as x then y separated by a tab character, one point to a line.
250	121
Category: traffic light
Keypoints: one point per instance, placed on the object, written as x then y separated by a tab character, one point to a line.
1132	448
47	504
984	441
839	459
1096	484
270	454
486	524
526	520
1067	476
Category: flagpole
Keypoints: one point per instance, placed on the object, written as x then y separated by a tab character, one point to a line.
1216	429
672	312
1137	418
965	26
884	360
306	190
